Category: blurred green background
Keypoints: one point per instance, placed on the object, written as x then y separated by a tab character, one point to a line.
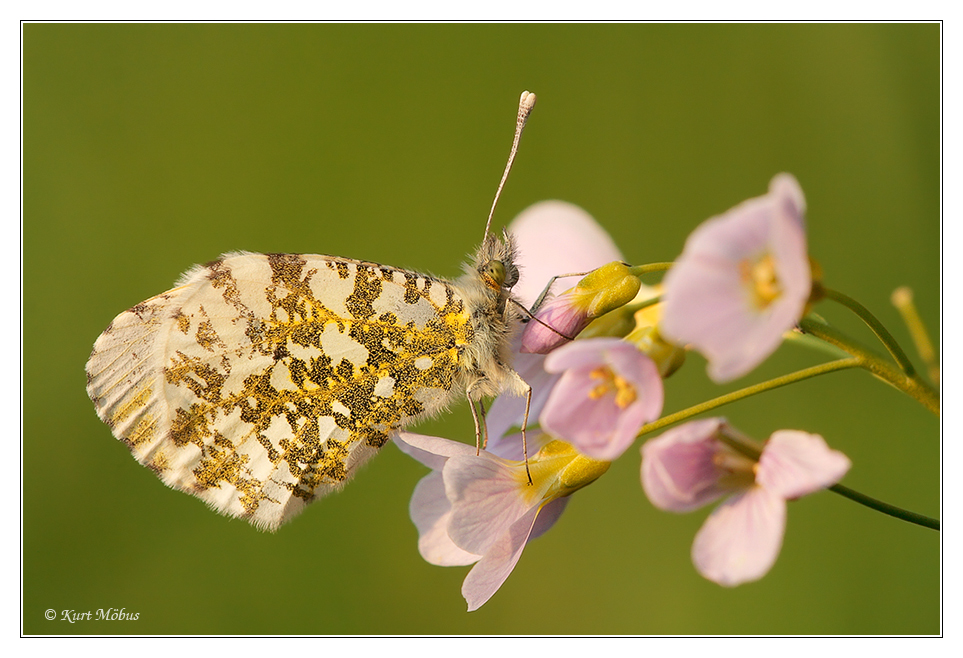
148	148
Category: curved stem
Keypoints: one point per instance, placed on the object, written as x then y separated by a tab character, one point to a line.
912	385
742	393
877	327
886	508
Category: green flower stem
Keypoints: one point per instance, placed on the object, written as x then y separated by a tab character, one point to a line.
886	508
631	309
911	384
877	327
798	376
648	268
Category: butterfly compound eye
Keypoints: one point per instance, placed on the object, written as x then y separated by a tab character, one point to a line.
494	273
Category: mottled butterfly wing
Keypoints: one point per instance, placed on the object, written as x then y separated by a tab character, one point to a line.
262	382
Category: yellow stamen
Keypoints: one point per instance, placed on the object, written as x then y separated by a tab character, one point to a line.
625	393
760	277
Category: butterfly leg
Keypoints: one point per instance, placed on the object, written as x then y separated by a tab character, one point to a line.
478	424
541	297
528	406
481	426
520	387
484	424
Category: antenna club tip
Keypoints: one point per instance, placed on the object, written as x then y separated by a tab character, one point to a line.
527	101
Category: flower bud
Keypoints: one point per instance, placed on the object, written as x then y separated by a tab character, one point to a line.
562	318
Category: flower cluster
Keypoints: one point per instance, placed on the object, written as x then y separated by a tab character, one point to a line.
596	356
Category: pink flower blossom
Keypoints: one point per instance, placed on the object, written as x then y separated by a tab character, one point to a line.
743	279
703	460
481	508
608	391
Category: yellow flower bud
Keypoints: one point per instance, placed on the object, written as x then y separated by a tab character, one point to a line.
606	289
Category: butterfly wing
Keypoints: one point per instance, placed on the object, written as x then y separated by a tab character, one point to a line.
262	382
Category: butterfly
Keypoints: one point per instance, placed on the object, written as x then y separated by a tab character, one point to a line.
261	382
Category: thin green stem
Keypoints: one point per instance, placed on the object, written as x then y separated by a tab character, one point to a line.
913	385
743	393
886	508
648	268
632	308
902	299
876	326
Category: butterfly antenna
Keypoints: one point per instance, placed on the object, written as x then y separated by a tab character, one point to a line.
525	105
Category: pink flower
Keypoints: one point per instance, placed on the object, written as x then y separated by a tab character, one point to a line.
562	317
608	391
743	279
481	508
699	462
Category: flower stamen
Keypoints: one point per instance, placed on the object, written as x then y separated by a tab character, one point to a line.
625	393
760	277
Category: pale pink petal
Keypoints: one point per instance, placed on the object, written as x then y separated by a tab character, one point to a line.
500	559
584	353
554	238
487	496
678	472
796	463
510	446
786	189
431	451
628	423
740	540
571	397
599	429
430	511
548	515
707	303
740	231
705	306
596	425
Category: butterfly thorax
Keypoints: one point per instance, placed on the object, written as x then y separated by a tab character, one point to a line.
485	362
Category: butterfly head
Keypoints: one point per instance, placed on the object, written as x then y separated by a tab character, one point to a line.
495	262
